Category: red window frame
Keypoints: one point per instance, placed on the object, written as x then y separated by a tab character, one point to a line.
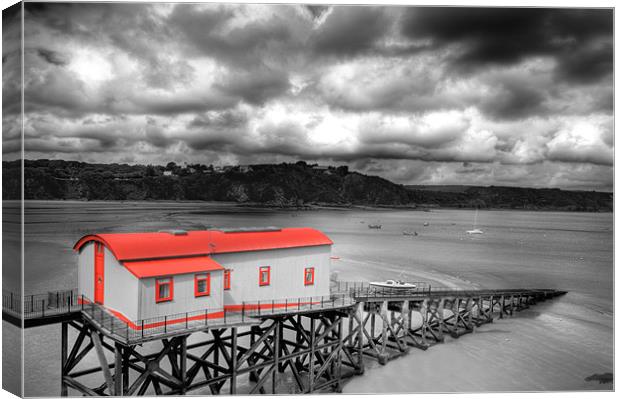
202	277
227	279
311	281
159	282
262	270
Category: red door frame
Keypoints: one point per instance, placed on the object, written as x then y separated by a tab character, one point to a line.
99	273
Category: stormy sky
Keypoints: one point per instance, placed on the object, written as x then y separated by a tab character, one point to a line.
519	97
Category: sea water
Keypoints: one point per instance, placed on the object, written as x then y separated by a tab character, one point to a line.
554	345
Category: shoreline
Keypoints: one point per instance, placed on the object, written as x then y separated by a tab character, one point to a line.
309	207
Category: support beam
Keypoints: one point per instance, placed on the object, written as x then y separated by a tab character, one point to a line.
64	343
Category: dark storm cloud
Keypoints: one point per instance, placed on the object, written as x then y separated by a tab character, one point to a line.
587	64
515	99
241	46
507	35
350	30
255	87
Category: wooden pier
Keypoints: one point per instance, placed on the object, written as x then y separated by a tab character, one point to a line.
306	346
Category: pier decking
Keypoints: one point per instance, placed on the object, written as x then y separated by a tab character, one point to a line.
320	341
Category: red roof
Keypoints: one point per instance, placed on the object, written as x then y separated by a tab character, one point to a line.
162	267
149	246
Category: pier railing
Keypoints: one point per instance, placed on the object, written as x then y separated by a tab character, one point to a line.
138	330
353	287
41	305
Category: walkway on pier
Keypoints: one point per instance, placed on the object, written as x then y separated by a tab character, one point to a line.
58	306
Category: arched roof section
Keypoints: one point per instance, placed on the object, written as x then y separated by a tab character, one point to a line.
162	245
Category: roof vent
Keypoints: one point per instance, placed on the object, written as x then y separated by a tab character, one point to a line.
174	232
250	229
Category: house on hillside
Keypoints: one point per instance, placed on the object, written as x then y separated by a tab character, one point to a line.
144	275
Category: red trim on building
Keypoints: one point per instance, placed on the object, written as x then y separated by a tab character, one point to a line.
206	277
309	272
149	246
264	275
227	279
159	283
165	267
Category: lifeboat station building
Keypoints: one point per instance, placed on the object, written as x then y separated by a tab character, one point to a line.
139	276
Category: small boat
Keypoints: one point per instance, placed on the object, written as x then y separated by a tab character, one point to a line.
410	233
374	226
475	230
426	223
392	284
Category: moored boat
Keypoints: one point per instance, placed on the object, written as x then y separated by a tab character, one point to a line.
393	284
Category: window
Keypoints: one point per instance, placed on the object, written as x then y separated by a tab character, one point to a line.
309	276
227	279
264	275
202	284
164	289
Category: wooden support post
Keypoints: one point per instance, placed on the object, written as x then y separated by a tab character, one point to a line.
183	364
253	376
372	321
424	315
64	343
502	307
383	356
456	314
440	322
118	372
406	318
359	312
282	366
276	354
311	356
125	368
469	308
338	361
233	362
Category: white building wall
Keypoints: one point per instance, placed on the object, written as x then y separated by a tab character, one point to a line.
184	299
287	273
121	288
86	271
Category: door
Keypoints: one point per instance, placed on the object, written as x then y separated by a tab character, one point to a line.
99	273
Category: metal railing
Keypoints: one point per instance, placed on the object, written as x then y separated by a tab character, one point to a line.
142	329
295	305
41	305
354	288
344	294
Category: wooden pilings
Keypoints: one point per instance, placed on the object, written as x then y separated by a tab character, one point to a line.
311	347
315	347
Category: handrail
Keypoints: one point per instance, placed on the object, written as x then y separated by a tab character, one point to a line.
344	294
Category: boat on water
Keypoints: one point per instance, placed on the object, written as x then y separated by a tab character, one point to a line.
374	226
410	233
475	230
392	284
